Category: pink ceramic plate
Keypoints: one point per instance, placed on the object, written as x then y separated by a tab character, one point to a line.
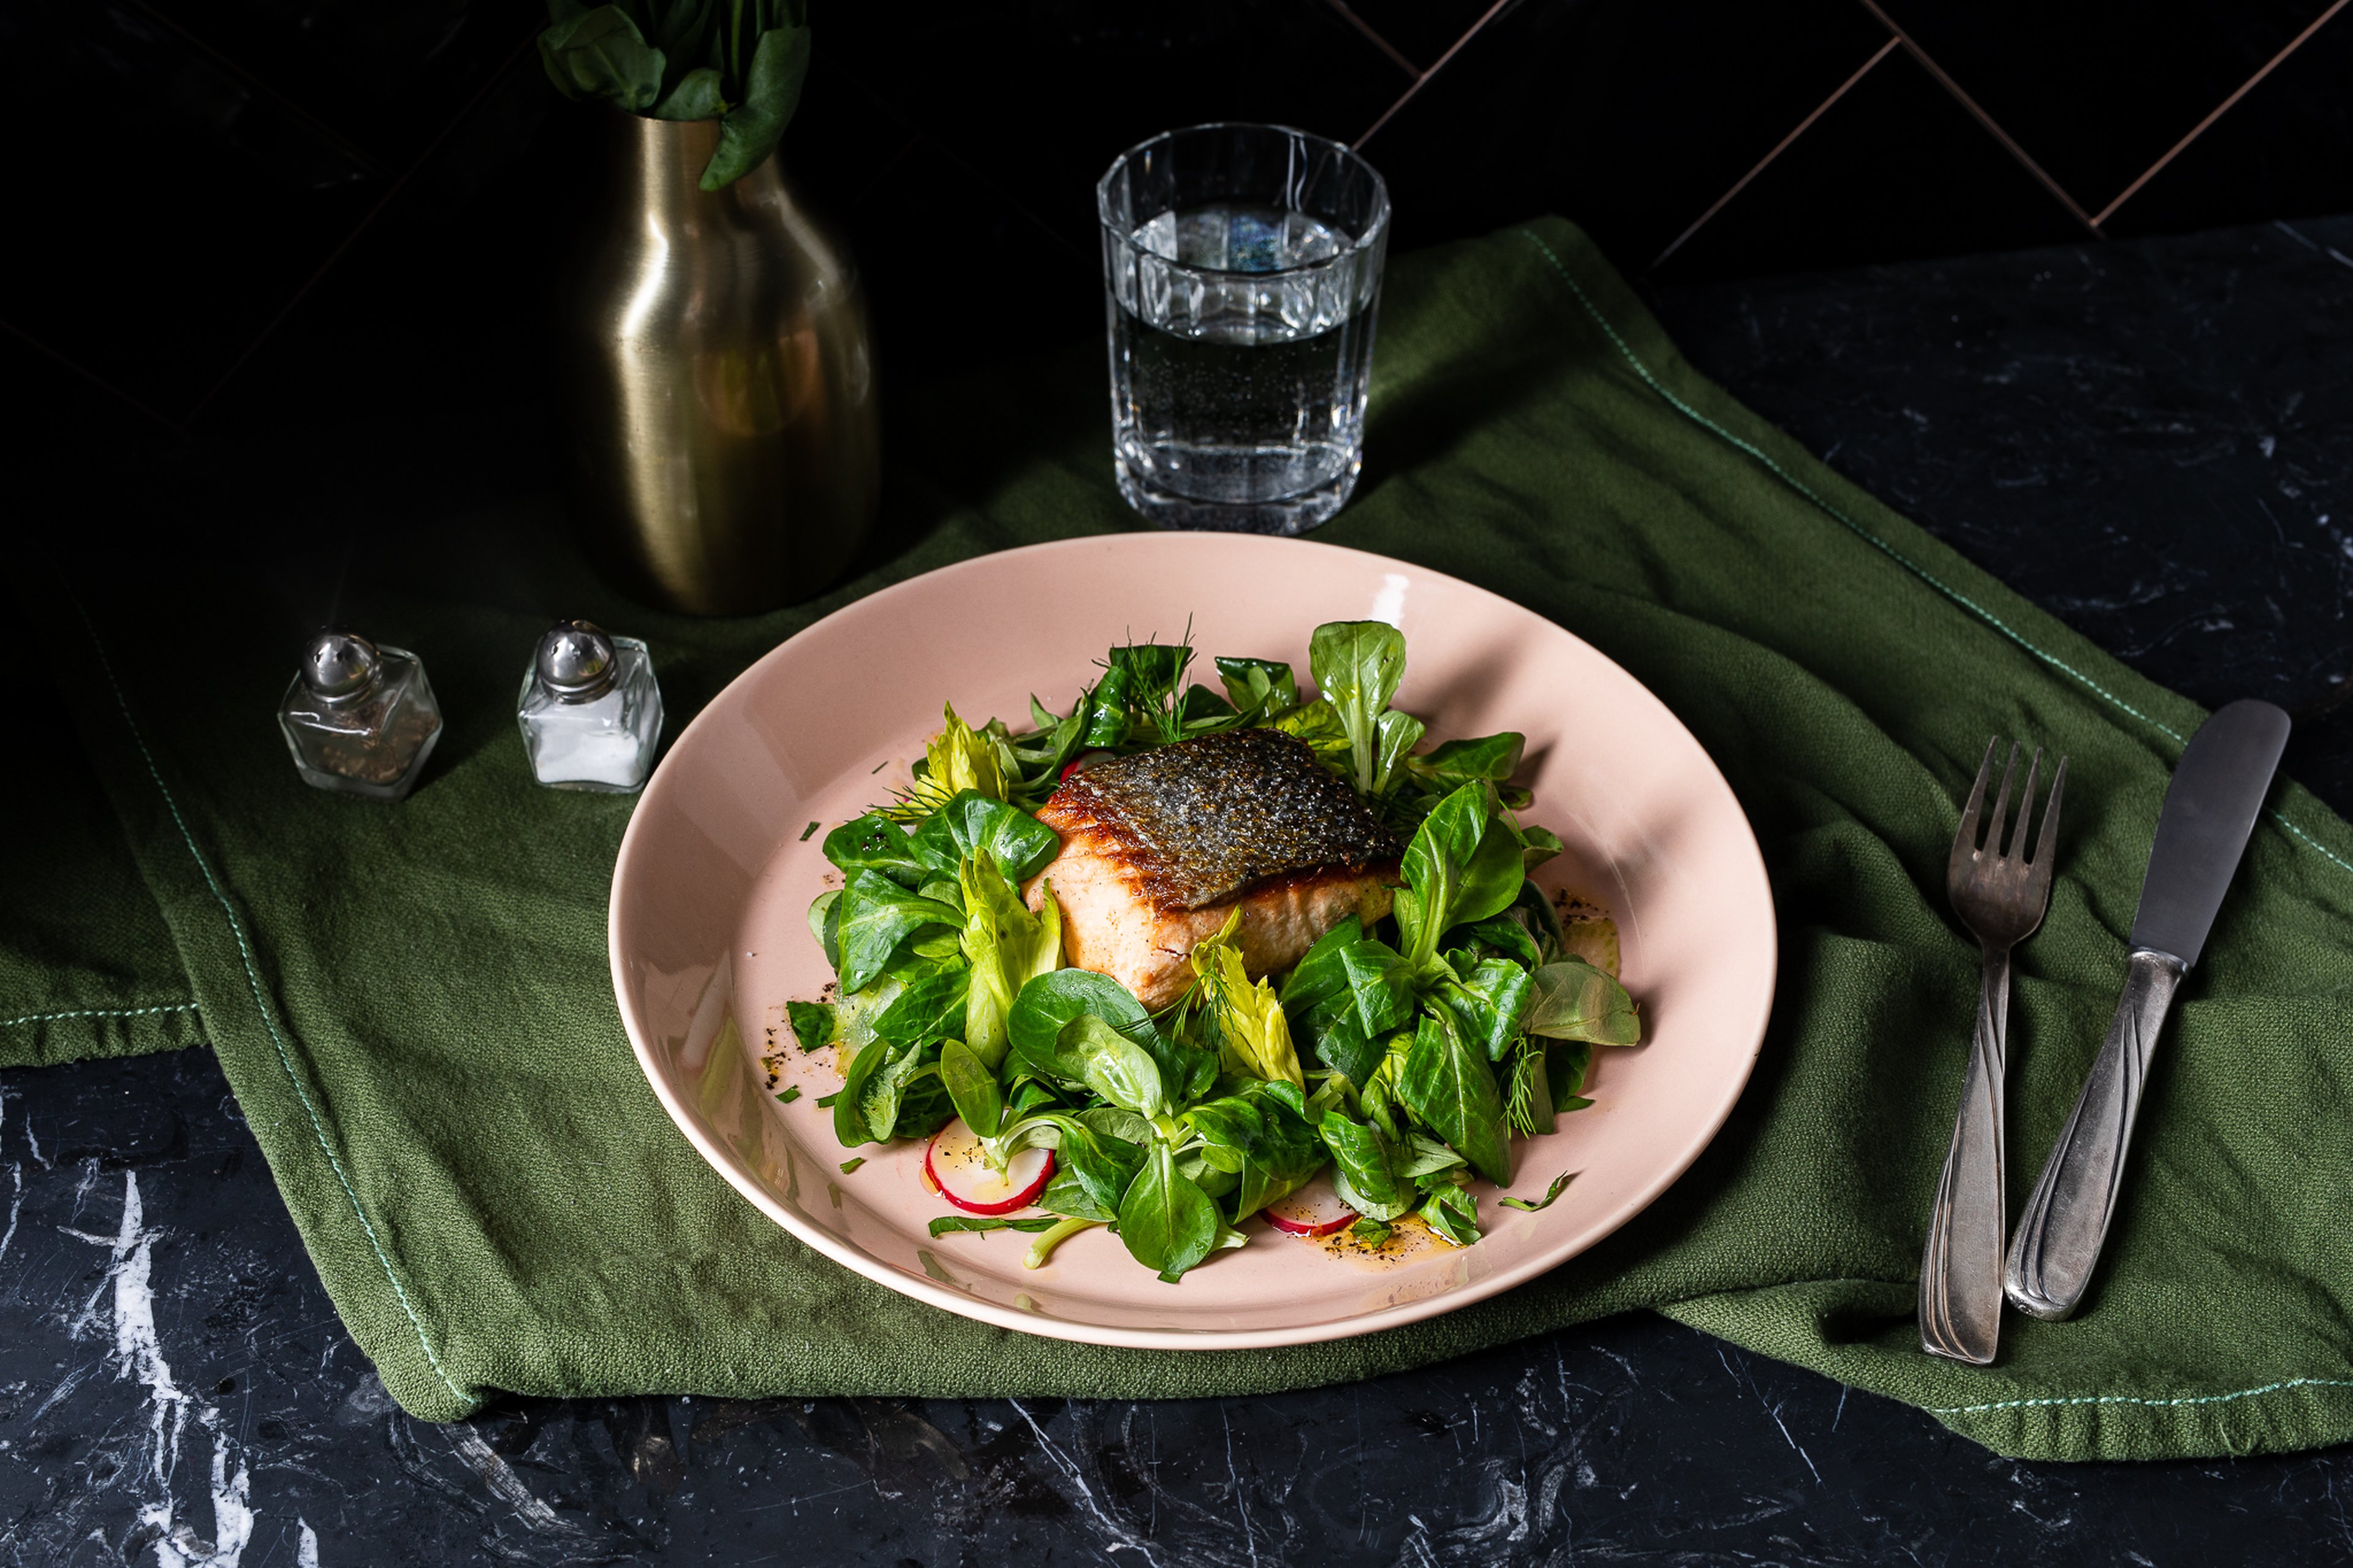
709	935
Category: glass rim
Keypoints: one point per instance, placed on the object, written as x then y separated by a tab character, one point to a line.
1375	232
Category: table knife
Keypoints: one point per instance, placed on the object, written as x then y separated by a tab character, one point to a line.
2211	808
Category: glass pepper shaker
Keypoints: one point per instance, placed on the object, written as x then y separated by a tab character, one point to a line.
590	711
359	718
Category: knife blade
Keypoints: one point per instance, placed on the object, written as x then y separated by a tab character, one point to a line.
2209	812
2210	807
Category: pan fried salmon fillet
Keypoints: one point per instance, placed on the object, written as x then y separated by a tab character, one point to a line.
1160	847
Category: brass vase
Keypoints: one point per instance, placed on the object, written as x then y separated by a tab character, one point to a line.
719	388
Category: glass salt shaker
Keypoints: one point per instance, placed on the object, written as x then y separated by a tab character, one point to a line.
358	718
590	711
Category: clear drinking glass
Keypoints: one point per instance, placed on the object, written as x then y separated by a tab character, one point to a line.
1241	270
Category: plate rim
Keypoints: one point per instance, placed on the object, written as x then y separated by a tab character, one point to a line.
964	1305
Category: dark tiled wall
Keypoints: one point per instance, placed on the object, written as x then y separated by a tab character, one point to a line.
227	207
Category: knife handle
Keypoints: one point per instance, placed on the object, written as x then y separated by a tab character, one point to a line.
2058	1240
1960	1268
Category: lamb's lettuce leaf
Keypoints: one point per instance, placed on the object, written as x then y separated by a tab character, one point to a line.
1357	666
971	822
1572	1000
1463	865
1169	1224
1446	1083
1007	945
877	921
1048	1002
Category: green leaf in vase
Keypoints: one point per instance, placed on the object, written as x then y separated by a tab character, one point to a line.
696	97
772	90
601	54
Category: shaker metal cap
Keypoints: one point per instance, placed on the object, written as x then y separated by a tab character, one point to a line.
574	661
338	666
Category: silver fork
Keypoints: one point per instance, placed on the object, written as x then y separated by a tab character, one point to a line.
2000	892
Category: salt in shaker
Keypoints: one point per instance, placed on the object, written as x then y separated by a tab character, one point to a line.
590	711
359	718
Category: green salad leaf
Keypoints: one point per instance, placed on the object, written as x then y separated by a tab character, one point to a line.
1370	1169
1559	1185
875	843
1046	1002
970	822
1571	1000
972	1088
1008	945
1261	689
1114	1066
1357	666
984	1222
1169	1224
1254	1035
929	1008
1448	1084
1463	865
1451	1213
875	922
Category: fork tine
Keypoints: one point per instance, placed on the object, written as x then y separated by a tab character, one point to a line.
1965	842
2016	848
1962	863
2042	838
1998	825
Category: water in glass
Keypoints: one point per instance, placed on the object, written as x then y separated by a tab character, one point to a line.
1242	330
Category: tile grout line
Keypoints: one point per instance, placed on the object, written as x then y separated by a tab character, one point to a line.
2218	110
367	220
1782	146
1982	118
91	376
1423	80
924	135
1379	42
350	148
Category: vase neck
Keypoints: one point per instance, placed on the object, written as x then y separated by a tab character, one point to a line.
660	165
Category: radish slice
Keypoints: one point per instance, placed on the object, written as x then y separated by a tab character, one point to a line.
1314	1209
1083	759
955	1167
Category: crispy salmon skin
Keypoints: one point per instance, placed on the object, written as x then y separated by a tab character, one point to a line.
1159	848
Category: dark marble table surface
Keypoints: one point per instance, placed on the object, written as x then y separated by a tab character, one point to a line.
2153	439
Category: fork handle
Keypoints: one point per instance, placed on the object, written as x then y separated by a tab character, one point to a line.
1960	1271
2066	1221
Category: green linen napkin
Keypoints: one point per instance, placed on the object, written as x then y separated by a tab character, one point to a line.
411	1001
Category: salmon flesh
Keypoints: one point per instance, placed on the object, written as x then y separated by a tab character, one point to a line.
1159	848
